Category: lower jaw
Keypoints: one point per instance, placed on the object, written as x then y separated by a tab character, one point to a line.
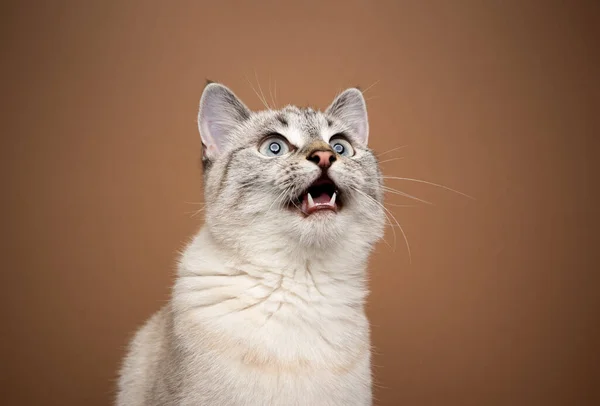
315	212
321	212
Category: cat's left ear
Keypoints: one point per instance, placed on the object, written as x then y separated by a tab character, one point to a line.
221	111
350	108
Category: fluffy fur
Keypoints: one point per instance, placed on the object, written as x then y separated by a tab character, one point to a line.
268	304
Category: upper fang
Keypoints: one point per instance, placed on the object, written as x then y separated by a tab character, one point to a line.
311	202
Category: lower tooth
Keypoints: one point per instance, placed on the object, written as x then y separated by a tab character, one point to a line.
332	201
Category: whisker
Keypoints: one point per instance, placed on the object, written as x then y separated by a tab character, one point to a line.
377	81
397	192
384	240
270	93
298	207
391	159
256	93
195	213
402	205
278	197
429	183
285	191
260	89
387	218
398	224
390	150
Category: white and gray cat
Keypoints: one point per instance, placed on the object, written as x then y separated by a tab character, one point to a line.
268	307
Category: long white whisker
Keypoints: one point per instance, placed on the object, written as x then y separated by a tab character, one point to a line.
402	205
377	81
398	224
429	183
397	192
256	93
386	216
384	240
391	150
195	212
271	93
391	159
260	89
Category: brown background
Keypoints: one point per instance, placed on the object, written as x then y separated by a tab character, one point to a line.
498	99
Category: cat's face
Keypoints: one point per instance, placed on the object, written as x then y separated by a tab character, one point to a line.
290	176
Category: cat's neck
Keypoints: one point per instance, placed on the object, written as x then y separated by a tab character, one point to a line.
337	279
206	254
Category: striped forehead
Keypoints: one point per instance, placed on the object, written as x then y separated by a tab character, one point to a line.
304	125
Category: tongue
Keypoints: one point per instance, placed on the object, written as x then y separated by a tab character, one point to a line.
322	198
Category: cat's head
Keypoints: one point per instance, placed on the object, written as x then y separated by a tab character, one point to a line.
294	177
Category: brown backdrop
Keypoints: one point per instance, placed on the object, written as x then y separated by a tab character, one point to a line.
497	99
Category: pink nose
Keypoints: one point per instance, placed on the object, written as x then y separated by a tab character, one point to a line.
322	158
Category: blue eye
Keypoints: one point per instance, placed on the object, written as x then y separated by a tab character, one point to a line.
274	146
341	147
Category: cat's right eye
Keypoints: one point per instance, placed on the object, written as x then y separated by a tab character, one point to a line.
274	146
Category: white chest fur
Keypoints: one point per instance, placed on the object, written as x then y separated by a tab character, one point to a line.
293	333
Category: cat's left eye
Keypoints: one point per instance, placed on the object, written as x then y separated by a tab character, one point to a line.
274	146
341	147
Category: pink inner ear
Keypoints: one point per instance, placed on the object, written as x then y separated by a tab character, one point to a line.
206	149
210	133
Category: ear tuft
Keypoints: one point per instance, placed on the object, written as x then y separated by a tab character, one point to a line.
220	113
350	108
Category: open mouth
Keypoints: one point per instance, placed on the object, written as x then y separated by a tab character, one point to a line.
321	195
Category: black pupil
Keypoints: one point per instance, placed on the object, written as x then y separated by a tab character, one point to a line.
274	147
339	148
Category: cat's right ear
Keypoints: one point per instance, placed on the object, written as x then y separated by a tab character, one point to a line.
220	113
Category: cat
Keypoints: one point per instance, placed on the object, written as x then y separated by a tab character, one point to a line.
268	306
